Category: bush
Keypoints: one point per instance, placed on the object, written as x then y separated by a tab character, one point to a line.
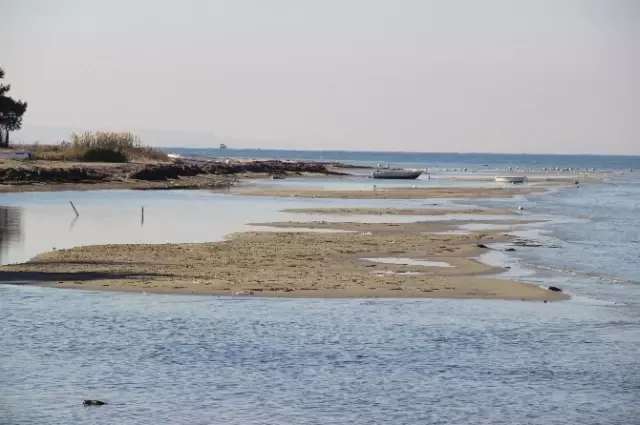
98	146
103	155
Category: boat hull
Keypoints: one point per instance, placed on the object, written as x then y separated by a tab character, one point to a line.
511	179
396	174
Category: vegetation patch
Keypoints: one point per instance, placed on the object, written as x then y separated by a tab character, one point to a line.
98	146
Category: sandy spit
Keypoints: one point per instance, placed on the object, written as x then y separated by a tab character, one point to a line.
397	211
323	265
400	229
394	193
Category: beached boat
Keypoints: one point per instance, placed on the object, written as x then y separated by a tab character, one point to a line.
511	179
174	157
396	173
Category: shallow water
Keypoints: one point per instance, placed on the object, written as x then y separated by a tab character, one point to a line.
442	180
199	360
195	360
33	223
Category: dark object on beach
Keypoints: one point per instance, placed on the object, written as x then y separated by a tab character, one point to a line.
532	244
576	182
509	249
483	246
555	289
93	402
51	175
193	168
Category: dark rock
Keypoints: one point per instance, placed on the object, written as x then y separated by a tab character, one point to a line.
51	175
532	244
483	246
93	403
510	250
555	289
277	169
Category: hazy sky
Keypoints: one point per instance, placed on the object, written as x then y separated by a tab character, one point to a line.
451	75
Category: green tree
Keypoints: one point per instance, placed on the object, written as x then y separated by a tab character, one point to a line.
11	112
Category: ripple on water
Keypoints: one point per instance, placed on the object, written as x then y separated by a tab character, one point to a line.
185	360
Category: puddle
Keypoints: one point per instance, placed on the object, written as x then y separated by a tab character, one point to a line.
384	273
295	229
408	262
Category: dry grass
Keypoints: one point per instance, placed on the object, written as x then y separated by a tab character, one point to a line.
97	146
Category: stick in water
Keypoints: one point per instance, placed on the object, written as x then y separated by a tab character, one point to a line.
74	209
142	215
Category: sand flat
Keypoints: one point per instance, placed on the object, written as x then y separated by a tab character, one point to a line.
398	211
282	264
400	229
394	192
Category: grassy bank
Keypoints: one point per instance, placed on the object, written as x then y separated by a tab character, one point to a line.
99	146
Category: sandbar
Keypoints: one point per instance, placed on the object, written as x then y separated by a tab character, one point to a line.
322	265
398	211
393	192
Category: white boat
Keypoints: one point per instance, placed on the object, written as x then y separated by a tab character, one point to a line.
174	157
511	179
396	173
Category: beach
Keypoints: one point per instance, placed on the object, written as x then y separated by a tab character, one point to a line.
316	258
146	174
282	295
301	264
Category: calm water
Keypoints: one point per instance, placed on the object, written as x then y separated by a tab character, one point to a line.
201	360
433	159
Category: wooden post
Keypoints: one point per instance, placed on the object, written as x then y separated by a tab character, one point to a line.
141	215
74	209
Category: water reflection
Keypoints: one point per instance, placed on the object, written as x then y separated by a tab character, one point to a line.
10	229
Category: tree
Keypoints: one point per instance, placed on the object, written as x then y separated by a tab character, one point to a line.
11	112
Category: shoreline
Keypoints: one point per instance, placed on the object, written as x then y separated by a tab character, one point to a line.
51	176
321	260
397	211
281	264
395	192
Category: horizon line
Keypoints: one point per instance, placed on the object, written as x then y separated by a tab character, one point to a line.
394	152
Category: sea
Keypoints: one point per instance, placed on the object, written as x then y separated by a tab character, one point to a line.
180	359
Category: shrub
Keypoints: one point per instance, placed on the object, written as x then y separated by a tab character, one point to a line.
103	155
98	146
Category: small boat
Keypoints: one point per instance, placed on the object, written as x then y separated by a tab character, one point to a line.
174	157
223	146
396	173
511	179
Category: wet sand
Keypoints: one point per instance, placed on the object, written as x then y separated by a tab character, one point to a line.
284	264
551	180
394	193
397	211
419	227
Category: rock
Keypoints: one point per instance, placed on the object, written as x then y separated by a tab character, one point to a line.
483	246
278	169
554	289
93	403
51	175
510	250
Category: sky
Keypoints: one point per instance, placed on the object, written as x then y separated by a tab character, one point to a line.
539	76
